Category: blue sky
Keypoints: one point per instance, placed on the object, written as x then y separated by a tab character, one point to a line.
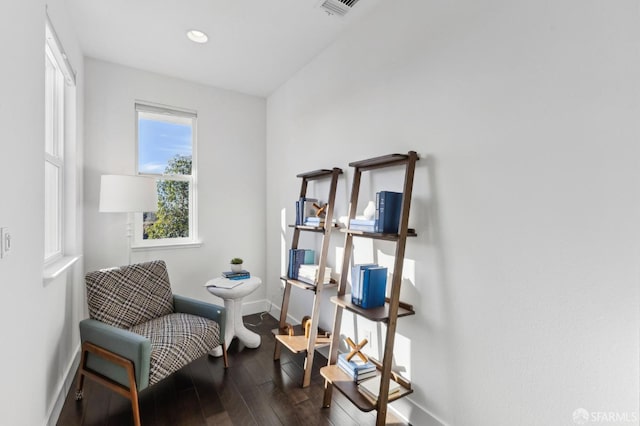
159	141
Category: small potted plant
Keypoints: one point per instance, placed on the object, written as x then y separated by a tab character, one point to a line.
236	264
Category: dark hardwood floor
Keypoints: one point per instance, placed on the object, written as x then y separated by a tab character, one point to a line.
254	390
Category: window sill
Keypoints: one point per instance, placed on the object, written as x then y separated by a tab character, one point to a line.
54	269
168	246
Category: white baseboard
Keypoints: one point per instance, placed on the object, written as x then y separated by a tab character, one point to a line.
274	311
255	307
52	417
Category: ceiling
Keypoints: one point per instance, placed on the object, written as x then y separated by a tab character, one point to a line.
254	45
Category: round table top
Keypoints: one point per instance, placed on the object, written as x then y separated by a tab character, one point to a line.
244	287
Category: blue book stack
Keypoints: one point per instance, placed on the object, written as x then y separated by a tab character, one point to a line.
299	257
367	225
240	275
388	208
356	368
356	287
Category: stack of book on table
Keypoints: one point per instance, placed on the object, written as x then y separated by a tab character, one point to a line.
371	388
309	274
240	275
356	368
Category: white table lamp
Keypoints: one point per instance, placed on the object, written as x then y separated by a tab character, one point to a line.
128	194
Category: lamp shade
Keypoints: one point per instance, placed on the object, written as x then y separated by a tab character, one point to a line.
122	193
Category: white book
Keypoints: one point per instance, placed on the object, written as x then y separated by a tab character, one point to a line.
372	387
224	283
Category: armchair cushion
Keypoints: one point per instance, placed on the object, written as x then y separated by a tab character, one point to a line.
129	295
176	340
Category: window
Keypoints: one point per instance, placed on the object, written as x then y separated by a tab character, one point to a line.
59	99
165	148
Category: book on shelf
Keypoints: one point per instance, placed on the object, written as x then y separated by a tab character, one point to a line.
314	220
224	283
356	368
371	387
305	209
309	274
299	257
373	282
356	288
240	275
367	225
388	208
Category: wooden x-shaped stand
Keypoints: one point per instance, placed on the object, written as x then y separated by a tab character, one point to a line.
355	349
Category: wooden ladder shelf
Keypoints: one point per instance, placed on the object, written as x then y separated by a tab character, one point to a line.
302	343
393	308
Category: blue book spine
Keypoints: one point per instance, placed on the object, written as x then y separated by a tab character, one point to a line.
376	217
298	260
290	270
300	211
388	208
374	286
309	257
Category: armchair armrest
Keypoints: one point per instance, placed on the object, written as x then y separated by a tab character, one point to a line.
202	309
129	345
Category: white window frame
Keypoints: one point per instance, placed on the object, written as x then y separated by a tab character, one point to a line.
59	123
182	115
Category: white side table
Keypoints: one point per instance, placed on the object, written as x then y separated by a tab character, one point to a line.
233	304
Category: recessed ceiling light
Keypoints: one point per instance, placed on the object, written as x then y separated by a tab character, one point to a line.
197	36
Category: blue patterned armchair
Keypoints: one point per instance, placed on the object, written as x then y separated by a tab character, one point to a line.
139	332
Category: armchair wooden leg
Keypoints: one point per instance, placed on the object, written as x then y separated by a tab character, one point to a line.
130	393
80	385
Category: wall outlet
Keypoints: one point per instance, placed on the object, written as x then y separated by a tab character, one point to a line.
5	242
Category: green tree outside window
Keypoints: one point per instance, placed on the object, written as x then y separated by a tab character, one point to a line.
172	218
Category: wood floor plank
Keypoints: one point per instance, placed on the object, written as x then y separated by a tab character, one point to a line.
254	390
207	393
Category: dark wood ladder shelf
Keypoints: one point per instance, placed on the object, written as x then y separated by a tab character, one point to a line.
392	309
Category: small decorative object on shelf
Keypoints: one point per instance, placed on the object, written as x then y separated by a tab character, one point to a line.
321	209
356	349
236	264
370	211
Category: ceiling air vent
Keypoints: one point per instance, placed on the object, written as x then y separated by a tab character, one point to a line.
337	7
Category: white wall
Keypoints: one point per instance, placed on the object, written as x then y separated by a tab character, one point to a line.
525	270
39	320
230	163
